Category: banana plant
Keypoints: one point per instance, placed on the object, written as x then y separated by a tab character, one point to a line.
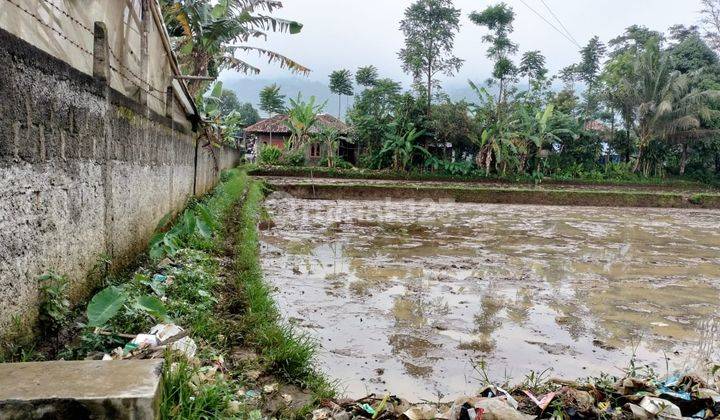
400	145
302	120
206	35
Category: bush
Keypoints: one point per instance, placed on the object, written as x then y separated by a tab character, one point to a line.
270	155
340	163
294	158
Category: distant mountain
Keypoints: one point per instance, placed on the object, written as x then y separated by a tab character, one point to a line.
248	90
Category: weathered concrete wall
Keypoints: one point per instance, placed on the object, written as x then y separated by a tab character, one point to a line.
84	172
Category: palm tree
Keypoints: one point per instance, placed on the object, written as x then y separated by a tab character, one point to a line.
666	107
207	31
341	84
537	131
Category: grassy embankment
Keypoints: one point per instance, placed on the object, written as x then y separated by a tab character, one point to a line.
201	272
250	320
493	195
321	172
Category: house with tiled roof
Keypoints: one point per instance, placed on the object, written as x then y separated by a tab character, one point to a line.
275	131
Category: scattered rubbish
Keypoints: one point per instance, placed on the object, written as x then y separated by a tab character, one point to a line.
165	332
146	340
421	412
661	408
322	414
270	388
186	346
368	409
542	402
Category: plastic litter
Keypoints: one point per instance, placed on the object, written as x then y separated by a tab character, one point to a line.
145	340
186	346
165	332
368	409
661	408
421	412
542	402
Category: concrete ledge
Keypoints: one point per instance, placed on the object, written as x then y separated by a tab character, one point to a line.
126	389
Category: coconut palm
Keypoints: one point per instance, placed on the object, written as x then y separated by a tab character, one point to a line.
208	33
536	130
666	107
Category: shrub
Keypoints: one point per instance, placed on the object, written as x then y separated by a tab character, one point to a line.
294	158
270	155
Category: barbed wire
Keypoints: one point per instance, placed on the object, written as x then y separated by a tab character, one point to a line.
57	32
120	67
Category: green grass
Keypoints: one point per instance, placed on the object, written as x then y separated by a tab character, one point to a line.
287	352
357	173
283	351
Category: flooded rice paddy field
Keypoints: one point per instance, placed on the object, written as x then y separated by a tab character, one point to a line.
403	296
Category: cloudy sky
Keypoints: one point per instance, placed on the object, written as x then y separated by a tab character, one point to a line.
351	33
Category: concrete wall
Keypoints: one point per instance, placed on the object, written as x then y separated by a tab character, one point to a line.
84	172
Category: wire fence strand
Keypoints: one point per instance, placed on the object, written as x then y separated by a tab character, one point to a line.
119	67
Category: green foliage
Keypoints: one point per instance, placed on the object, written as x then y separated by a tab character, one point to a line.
105	305
207	34
184	398
195	224
54	303
269	155
302	120
366	76
341	82
293	158
271	101
400	148
429	27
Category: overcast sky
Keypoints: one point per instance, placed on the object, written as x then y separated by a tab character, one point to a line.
350	33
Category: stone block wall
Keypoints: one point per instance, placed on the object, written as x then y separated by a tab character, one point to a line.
85	173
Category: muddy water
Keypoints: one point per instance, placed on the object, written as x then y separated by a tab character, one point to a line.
408	297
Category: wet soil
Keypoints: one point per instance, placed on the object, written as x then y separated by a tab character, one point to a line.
403	296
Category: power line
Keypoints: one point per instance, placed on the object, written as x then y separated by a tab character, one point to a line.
551	25
558	20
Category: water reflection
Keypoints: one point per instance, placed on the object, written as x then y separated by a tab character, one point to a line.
416	289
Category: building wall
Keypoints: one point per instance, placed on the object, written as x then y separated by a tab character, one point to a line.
85	171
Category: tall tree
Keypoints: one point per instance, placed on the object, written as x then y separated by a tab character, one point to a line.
228	101
367	76
341	84
588	71
430	27
271	101
710	17
208	34
248	115
532	66
498	19
633	40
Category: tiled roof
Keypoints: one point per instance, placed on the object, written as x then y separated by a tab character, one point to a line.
277	124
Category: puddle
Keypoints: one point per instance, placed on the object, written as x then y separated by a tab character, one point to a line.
404	296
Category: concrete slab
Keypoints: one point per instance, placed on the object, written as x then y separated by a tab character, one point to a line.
92	389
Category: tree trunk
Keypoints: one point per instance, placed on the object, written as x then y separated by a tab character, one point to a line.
429	92
339	105
683	158
639	158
